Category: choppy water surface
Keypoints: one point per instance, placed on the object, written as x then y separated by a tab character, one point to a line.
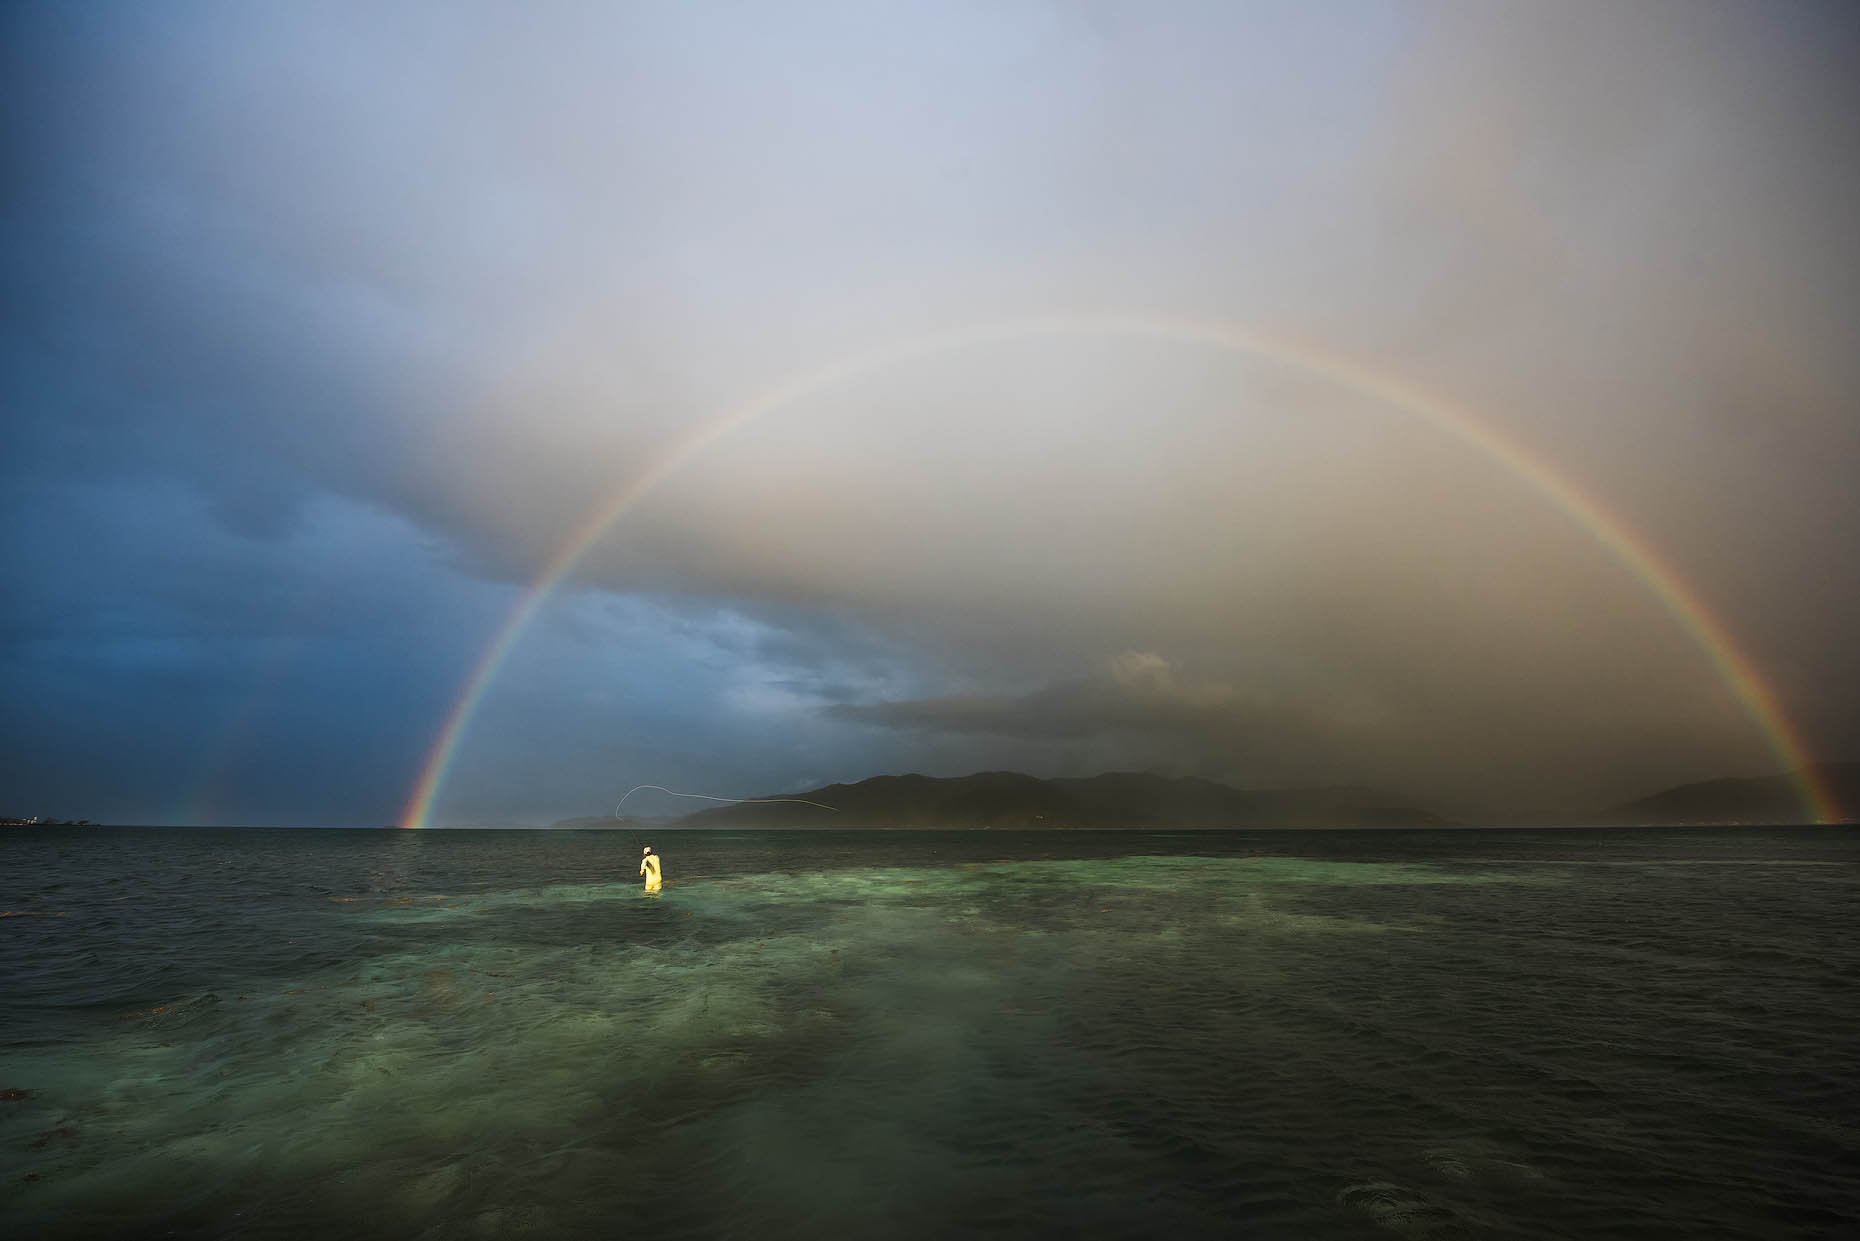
1310	1035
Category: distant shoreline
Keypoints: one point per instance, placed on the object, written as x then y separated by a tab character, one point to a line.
699	830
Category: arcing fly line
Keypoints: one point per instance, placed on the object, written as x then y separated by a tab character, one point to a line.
734	801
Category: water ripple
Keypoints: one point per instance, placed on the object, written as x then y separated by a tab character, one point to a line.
1430	1035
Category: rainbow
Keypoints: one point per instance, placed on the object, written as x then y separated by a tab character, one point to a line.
1608	529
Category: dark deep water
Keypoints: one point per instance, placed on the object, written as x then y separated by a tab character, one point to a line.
1421	1034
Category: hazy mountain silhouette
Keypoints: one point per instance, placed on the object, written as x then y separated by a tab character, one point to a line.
1760	799
1008	799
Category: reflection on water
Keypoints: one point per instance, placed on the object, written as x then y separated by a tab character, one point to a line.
1267	1034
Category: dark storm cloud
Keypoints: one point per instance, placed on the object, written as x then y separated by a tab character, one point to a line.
1139	693
1142	709
163	668
469	269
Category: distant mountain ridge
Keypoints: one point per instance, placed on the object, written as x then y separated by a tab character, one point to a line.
1009	799
1757	800
1140	800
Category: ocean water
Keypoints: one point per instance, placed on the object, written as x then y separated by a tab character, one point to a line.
1413	1034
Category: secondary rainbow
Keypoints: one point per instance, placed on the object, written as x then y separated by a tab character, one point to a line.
1627	545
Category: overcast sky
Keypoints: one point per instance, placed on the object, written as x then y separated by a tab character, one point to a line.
327	326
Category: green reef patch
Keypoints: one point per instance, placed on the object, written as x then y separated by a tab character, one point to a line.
586	1041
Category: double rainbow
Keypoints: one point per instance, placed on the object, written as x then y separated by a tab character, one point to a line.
1628	546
